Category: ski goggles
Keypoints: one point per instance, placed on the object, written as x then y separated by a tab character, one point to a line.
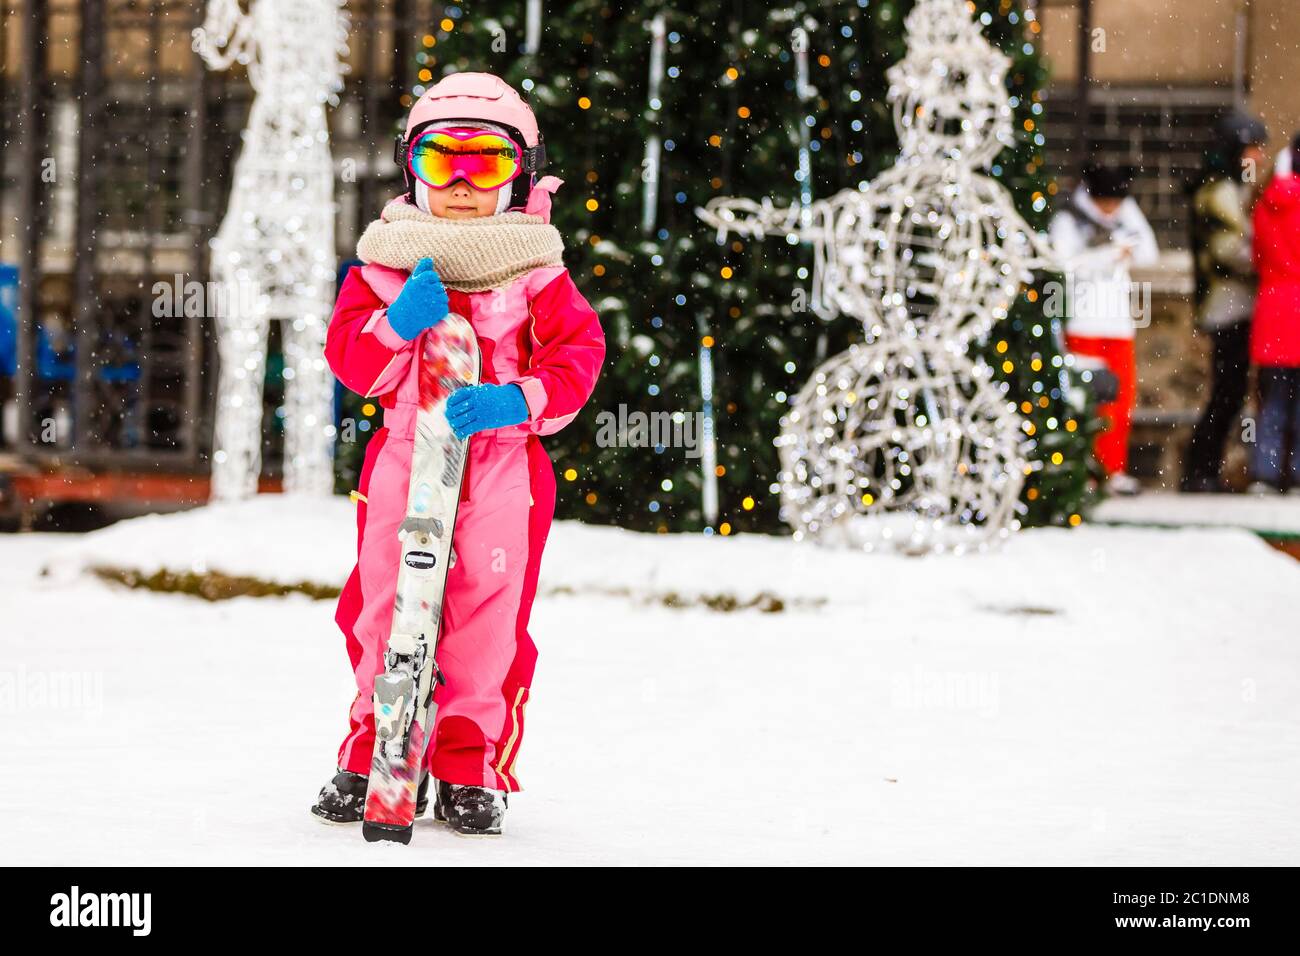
484	159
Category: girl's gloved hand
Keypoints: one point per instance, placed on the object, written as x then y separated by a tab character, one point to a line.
421	304
478	408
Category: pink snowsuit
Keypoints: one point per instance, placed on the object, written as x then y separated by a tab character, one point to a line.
540	333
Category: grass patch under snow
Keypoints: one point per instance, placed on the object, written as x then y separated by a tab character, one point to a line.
211	585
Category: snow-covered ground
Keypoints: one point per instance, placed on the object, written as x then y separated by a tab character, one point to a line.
1107	695
1269	514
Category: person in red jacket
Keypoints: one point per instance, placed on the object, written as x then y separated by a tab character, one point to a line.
1275	338
471	235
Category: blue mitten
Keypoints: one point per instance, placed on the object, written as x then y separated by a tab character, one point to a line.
421	304
478	408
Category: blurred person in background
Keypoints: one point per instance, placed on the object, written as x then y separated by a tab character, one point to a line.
1101	233
1275	335
1225	286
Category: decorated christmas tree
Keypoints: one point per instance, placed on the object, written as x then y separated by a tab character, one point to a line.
649	111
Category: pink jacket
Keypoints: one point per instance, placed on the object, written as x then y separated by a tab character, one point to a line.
539	333
1275	333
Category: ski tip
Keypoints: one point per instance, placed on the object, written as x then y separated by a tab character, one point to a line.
380	833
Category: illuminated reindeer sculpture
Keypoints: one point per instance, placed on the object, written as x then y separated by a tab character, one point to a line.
273	255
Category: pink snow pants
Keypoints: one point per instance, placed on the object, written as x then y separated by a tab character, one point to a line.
487	660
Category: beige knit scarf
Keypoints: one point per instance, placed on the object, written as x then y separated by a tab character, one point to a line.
470	255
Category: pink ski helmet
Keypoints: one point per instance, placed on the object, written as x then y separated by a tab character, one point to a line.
483	98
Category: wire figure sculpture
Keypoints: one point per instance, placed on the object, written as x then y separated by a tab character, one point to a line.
273	255
904	441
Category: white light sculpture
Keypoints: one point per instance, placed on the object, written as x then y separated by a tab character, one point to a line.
904	440
273	255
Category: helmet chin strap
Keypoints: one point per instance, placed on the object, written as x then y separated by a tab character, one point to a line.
503	194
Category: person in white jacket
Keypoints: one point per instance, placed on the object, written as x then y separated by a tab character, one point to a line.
1100	233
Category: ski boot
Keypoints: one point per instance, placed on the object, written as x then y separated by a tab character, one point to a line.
469	810
343	799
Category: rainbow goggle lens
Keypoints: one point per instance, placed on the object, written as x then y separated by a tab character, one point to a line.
484	159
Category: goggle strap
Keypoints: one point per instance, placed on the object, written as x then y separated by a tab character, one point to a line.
534	157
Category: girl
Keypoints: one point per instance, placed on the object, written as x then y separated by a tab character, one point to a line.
471	235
